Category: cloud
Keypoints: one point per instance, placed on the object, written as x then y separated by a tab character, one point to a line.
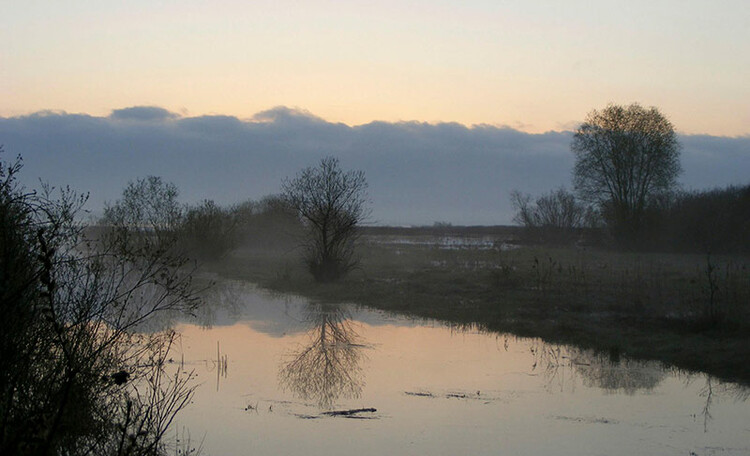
418	172
713	161
283	114
143	113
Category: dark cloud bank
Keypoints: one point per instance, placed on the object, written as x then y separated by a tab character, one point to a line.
418	173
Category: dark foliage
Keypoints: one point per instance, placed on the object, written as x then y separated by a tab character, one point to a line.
76	375
208	231
708	221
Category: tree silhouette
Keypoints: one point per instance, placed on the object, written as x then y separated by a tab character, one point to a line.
332	204
625	156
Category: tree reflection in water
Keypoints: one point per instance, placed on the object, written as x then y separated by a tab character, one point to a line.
738	393
618	375
327	367
563	365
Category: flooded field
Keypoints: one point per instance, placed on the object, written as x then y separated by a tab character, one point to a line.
282	375
444	238
446	242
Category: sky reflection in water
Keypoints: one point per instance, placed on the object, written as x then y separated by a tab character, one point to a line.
436	389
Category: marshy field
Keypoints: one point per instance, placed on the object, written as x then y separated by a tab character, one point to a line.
685	310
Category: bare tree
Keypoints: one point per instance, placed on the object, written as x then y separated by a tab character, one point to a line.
625	155
332	204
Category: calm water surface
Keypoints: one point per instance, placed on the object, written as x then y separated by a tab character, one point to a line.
269	368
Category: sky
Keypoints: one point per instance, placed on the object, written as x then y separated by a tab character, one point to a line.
447	106
535	66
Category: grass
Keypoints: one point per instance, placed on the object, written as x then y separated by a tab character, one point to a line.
690	311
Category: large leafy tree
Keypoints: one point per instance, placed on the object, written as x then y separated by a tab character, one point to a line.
625	157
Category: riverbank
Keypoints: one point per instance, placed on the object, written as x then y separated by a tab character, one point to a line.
689	311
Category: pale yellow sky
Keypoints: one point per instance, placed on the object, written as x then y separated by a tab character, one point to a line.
535	66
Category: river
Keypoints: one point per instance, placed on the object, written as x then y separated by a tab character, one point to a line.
270	367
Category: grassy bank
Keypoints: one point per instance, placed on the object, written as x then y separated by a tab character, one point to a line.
687	310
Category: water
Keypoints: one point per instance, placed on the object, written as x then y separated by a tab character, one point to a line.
436	390
445	242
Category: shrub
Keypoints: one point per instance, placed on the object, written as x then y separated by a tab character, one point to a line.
556	217
208	231
76	374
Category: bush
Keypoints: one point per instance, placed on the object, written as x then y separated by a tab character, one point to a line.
709	221
270	223
208	231
76	374
555	217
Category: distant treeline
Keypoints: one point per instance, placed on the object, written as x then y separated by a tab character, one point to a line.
706	221
701	221
205	231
